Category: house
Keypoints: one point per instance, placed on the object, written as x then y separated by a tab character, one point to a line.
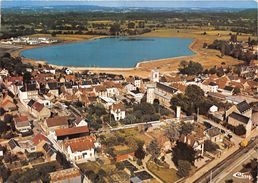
213	87
228	90
8	105
101	91
38	110
28	91
22	124
53	88
214	134
81	149
196	143
27	146
49	152
68	71
70	133
118	111
14	146
112	88
213	109
144	176
137	95
49	69
72	175
242	108
130	87
85	84
56	122
39	141
236	119
4	72
80	122
107	102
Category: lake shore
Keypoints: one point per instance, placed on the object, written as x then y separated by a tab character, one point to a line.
207	57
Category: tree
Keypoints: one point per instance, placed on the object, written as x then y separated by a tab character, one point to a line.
131	25
129	119
115	29
27	77
186	128
210	146
184	168
183	152
190	68
240	130
172	133
194	93
61	159
139	153
53	34
154	149
120	166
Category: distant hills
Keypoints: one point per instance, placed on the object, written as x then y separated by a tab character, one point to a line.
127	6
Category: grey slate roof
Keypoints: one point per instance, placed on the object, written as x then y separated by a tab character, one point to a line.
239	117
243	106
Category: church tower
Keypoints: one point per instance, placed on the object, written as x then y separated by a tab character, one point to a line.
155	75
150	93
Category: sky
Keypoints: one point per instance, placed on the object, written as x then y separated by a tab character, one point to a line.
143	3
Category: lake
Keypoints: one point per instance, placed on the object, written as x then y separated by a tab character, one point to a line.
111	52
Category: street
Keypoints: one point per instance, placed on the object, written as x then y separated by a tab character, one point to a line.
228	162
228	173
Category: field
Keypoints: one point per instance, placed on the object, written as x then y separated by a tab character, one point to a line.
165	174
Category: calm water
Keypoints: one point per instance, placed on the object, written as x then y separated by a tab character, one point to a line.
111	52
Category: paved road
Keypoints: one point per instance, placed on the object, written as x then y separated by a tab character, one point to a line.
215	171
236	167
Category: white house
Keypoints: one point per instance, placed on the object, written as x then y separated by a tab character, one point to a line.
28	92
213	109
118	111
107	101
68	71
81	149
80	122
22	124
130	87
137	95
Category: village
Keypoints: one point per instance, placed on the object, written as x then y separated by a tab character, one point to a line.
62	125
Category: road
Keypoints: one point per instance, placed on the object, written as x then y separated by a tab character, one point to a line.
228	162
236	167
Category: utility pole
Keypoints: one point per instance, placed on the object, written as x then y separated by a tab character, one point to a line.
197	117
211	177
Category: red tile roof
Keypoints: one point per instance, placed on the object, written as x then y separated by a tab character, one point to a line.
124	156
20	119
57	121
71	131
80	144
37	106
39	138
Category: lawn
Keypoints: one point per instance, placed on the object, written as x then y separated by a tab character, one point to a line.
134	133
90	166
94	166
122	149
165	174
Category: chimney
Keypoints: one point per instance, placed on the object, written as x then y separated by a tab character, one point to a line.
178	112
